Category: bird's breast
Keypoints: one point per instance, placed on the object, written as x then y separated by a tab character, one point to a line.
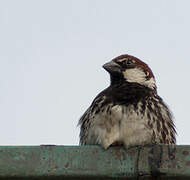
120	124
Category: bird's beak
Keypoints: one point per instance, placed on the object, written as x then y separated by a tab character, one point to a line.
112	67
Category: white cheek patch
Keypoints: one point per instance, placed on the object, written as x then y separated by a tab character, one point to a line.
139	76
134	75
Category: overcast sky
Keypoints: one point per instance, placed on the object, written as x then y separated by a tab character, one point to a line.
52	52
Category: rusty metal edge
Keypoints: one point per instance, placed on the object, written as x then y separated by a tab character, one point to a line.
92	161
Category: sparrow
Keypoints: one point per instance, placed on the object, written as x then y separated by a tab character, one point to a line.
129	112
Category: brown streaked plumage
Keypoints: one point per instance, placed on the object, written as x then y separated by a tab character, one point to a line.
129	111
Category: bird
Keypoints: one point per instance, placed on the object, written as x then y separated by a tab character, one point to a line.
129	112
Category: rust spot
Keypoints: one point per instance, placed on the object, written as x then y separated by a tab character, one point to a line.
120	154
188	163
95	152
66	165
185	153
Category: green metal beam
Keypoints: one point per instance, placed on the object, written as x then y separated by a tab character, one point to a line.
93	162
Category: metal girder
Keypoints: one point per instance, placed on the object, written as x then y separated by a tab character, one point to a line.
93	162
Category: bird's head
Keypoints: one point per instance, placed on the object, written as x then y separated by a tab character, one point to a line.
131	69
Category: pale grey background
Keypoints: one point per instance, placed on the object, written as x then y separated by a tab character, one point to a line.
51	53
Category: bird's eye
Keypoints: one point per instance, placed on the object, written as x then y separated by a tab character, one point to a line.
129	62
122	63
126	63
